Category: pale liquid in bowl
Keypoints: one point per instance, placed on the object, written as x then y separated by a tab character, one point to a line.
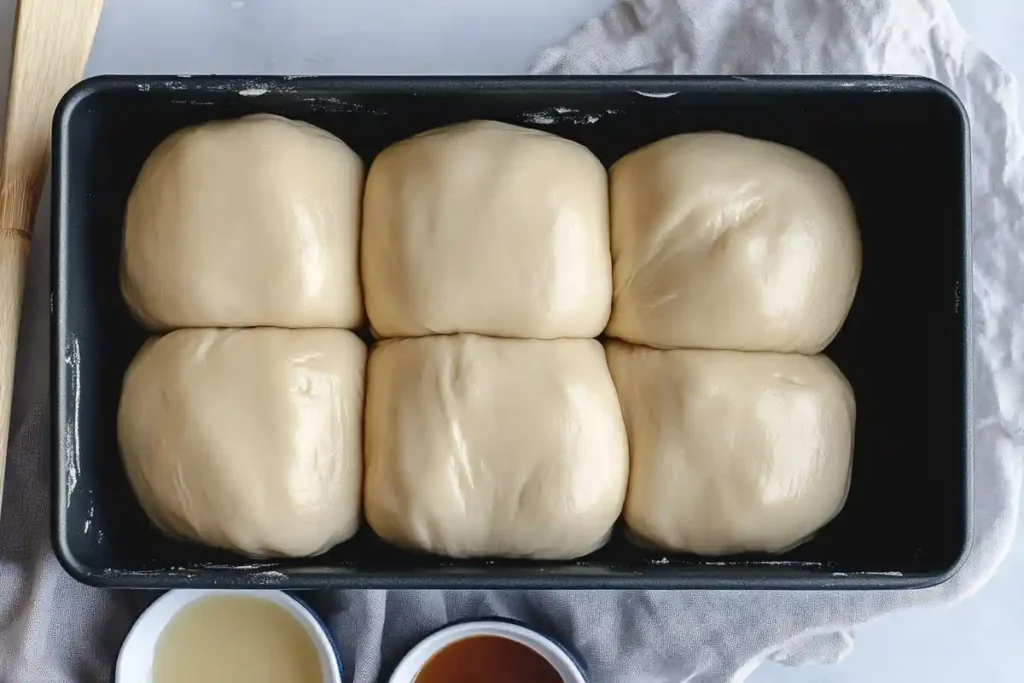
225	638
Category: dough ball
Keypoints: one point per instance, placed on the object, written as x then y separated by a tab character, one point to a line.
493	447
249	440
489	228
730	451
247	222
725	242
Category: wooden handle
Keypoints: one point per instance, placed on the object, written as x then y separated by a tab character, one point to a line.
52	39
14	248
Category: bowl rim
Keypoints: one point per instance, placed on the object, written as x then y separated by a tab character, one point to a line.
154	619
564	663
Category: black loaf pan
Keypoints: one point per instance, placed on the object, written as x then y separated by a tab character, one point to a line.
899	144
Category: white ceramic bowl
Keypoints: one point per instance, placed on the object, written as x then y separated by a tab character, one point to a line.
135	661
554	653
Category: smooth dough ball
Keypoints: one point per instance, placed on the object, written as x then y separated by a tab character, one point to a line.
481	447
249	440
247	222
489	228
730	451
725	242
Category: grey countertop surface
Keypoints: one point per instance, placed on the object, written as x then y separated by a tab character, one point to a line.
980	640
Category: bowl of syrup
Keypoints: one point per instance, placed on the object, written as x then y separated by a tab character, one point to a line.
492	651
211	636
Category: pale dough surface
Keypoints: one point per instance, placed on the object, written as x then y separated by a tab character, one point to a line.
250	439
493	447
726	242
245	222
489	228
732	451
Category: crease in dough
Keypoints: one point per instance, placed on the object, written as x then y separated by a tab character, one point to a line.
249	439
732	451
242	223
726	242
489	228
483	447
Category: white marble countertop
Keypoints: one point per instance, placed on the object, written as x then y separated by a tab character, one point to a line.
980	640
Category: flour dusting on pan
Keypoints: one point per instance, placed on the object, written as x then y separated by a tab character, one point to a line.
553	115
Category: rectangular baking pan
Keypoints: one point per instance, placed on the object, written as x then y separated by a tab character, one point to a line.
899	144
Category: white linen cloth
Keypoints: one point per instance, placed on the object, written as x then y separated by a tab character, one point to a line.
53	630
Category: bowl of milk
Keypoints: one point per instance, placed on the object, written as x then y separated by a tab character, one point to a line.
209	636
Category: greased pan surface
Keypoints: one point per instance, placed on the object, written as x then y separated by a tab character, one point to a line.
899	144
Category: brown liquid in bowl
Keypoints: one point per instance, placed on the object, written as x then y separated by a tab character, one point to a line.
487	659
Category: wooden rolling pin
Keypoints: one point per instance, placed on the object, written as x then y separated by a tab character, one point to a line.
52	39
